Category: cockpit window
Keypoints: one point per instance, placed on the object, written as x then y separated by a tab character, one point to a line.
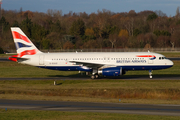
162	58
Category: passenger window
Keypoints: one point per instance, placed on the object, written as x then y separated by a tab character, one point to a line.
159	58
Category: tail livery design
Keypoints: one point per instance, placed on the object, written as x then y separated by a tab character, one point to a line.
23	44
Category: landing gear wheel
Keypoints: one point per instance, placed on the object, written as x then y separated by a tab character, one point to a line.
92	77
96	76
150	74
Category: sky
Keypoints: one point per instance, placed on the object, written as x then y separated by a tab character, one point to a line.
168	7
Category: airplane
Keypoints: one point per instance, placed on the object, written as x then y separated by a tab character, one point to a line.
98	63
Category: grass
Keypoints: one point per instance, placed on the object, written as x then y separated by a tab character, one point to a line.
171	54
102	90
12	69
5	55
11	114
138	91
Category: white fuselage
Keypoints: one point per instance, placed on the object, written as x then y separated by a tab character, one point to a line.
105	63
87	61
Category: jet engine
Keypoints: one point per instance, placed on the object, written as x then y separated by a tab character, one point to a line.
112	71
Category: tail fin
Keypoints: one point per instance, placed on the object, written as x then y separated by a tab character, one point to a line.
23	44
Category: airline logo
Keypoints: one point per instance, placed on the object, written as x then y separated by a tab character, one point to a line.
151	57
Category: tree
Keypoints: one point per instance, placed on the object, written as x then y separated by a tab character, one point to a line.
152	17
89	32
175	40
26	14
68	45
164	33
90	44
113	39
57	40
160	13
124	33
38	32
136	32
150	38
46	44
141	40
26	26
77	28
128	24
177	13
15	24
4	24
163	41
100	42
132	13
1	50
57	27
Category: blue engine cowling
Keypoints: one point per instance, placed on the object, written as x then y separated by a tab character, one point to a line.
112	71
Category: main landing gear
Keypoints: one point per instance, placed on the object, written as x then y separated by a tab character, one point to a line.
95	74
150	74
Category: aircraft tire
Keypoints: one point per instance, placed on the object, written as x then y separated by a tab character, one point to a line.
92	77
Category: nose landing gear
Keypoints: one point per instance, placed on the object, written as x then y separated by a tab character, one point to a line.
150	74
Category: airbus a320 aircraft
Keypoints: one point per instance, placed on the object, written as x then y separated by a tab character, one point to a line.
105	63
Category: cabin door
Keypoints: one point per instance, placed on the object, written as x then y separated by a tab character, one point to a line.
41	60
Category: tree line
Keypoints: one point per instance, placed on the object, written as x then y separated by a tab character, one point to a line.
104	29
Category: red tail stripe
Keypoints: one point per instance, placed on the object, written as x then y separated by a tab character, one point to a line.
145	56
13	58
17	35
27	52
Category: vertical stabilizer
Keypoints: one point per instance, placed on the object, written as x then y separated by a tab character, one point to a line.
23	44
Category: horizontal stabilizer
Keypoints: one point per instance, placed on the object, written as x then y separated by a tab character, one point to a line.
17	59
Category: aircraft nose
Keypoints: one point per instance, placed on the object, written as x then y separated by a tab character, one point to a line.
170	63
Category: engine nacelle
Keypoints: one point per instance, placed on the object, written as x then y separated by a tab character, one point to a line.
112	71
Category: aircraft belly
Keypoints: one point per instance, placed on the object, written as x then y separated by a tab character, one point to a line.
146	67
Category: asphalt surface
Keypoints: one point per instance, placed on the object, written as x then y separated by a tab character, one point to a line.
4	59
125	77
168	110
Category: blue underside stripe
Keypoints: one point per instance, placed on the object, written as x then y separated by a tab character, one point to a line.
79	68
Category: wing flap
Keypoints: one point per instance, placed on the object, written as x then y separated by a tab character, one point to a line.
92	65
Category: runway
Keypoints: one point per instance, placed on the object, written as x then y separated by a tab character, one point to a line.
169	110
125	77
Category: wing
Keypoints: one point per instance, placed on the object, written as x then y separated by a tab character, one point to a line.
92	65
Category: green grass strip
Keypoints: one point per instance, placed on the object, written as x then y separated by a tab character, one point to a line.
11	114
